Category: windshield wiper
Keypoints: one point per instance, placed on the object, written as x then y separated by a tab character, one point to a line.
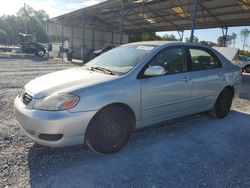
103	70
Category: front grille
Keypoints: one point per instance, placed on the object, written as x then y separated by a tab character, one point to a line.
26	98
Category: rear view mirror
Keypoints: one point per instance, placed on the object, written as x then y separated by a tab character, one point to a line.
154	71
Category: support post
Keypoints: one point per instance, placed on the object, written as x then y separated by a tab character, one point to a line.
47	34
83	33
62	49
181	33
122	21
93	36
224	35
112	38
25	19
72	39
195	8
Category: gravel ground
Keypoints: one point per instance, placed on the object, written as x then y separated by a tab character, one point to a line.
195	151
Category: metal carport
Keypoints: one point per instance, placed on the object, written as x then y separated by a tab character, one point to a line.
136	16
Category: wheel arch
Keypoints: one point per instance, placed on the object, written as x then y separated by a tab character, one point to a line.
122	105
127	108
230	88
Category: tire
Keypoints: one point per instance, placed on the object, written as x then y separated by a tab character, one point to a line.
247	68
109	130
223	104
40	53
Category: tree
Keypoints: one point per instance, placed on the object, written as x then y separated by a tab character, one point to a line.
234	36
169	37
135	37
226	40
143	37
208	43
195	40
150	36
244	33
12	25
35	21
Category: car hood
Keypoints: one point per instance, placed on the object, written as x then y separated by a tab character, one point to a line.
65	80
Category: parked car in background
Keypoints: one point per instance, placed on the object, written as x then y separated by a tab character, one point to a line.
232	54
246	63
100	51
244	58
129	87
94	53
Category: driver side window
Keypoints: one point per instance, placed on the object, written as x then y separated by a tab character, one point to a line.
174	60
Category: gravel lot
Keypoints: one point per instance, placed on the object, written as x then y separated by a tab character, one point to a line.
195	151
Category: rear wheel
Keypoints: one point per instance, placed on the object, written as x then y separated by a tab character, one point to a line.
223	104
109	130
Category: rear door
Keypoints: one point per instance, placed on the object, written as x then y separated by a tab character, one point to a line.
167	96
207	78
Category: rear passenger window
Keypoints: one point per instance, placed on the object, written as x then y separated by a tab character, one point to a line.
202	60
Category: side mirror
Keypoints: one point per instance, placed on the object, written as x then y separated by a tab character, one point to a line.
154	71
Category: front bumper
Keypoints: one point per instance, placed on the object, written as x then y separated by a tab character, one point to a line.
34	123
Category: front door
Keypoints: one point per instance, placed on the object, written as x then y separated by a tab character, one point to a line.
167	96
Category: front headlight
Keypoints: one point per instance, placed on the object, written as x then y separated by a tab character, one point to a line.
57	102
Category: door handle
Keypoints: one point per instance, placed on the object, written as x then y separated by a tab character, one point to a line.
186	79
220	74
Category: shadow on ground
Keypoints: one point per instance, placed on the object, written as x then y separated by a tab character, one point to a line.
9	57
194	152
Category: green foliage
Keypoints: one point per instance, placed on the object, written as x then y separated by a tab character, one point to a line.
195	40
246	53
244	33
12	25
208	43
135	37
150	36
166	37
229	39
169	37
233	37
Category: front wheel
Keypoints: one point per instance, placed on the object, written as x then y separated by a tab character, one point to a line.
40	53
223	104
109	130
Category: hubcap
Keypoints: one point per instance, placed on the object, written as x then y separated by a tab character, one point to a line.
40	53
225	104
111	134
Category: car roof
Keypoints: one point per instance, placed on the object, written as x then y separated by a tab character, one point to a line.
164	43
155	43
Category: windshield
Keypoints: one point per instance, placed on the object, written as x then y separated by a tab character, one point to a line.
122	59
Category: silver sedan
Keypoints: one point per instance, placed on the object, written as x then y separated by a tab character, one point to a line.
126	88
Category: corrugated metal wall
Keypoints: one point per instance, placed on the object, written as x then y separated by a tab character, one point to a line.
74	35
